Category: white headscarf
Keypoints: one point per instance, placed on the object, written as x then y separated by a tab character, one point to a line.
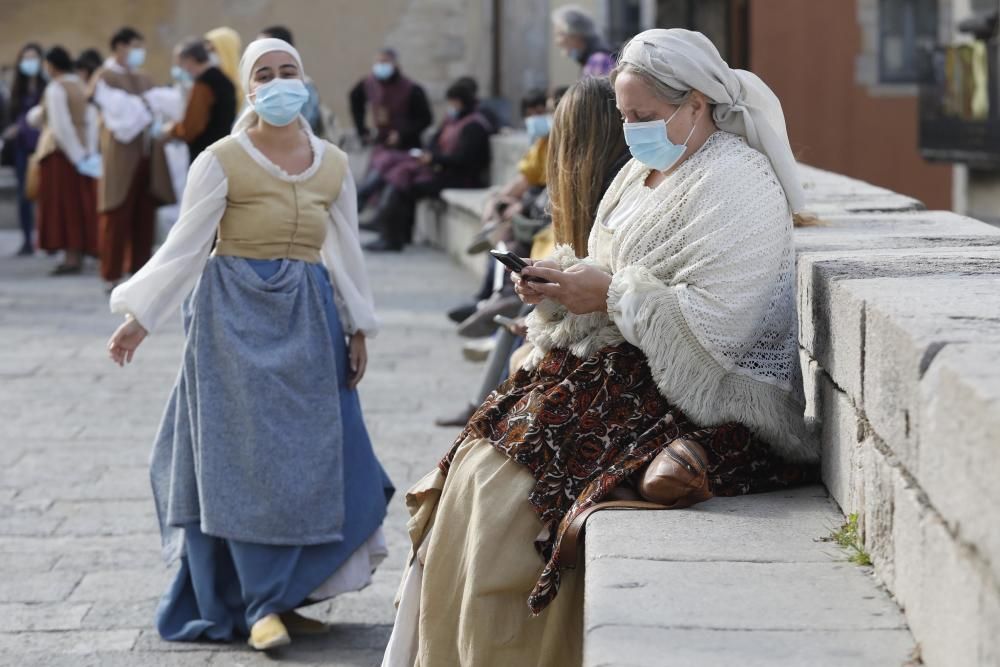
744	104
250	57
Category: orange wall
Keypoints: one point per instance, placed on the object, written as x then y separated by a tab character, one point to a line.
806	50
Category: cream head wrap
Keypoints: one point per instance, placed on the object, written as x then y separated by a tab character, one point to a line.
250	57
744	104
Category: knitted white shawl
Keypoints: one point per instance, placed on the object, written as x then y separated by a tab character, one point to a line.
703	283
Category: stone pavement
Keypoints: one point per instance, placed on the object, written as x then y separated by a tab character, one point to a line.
79	549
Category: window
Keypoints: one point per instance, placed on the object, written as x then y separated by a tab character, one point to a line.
624	21
722	21
906	29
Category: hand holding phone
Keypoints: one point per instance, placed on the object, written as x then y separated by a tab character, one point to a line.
515	264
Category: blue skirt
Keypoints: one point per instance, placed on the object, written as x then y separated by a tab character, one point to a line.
224	586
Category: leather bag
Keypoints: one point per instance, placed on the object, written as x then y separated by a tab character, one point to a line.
677	477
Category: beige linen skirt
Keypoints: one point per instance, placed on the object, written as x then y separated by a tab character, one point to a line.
463	598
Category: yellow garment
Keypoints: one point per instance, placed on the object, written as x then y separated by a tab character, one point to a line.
543	244
228	47
270	218
474	531
532	165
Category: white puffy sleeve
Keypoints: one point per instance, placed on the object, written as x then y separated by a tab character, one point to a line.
158	289
344	260
61	124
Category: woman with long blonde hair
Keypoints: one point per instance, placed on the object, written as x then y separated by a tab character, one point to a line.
586	151
227	46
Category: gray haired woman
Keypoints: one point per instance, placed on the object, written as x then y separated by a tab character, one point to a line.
678	331
576	34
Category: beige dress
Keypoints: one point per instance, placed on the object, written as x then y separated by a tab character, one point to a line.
463	599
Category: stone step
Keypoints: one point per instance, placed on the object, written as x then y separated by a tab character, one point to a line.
734	581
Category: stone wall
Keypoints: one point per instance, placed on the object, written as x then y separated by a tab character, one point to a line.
899	317
899	313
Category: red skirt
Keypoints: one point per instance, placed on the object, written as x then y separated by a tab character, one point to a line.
67	207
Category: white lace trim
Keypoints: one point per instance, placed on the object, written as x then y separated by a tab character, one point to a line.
318	148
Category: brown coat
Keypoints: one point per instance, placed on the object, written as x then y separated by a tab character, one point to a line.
121	161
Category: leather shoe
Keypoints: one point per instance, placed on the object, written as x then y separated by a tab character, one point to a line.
481	323
459	314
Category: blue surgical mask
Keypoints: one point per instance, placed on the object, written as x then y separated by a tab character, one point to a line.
538	126
30	66
574	54
650	145
383	71
136	57
453	113
180	75
279	102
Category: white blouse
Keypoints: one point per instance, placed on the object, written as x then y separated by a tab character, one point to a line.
61	123
157	290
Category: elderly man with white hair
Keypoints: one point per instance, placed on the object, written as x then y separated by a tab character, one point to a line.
577	36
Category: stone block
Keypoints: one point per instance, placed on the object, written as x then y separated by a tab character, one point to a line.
878	476
950	597
34	648
122	585
627	646
840	458
830	193
38	587
744	596
907	322
831	314
896	230
959	437
742	528
21	617
507	149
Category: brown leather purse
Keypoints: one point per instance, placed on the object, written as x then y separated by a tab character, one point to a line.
676	478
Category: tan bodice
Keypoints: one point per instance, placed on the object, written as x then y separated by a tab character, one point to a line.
76	101
270	218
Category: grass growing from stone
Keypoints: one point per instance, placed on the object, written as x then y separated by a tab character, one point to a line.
848	537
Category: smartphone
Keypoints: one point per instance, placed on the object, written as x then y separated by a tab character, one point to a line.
514	263
504	321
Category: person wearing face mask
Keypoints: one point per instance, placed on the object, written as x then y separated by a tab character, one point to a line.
20	138
458	157
211	105
68	166
312	111
398	105
263	474
125	204
577	36
675	334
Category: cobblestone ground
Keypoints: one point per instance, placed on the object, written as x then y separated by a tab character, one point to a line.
79	553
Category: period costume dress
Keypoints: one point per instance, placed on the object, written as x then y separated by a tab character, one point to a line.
699	340
265	481
125	205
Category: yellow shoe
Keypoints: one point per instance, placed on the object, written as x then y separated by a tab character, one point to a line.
269	632
298	624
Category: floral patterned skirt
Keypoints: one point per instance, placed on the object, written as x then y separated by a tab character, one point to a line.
584	426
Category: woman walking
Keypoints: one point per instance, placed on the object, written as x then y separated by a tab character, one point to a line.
68	166
264	477
676	333
24	95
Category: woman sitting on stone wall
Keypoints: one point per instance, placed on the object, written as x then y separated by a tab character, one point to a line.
677	334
